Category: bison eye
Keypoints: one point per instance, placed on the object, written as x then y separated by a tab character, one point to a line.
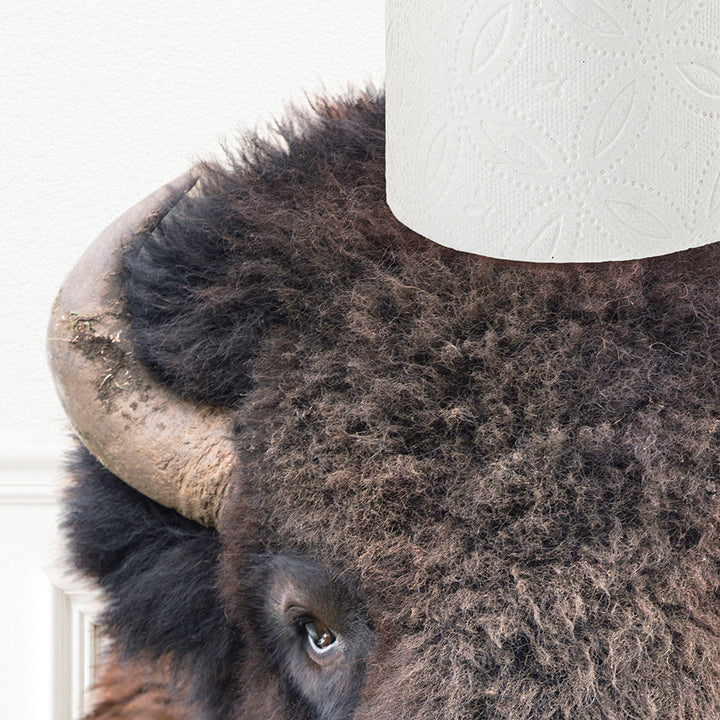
320	637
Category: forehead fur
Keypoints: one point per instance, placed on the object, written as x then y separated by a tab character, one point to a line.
517	464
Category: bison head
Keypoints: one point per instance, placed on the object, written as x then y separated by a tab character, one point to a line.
375	478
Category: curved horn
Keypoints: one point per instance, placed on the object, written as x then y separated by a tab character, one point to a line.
176	452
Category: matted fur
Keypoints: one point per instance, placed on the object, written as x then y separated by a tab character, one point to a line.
514	468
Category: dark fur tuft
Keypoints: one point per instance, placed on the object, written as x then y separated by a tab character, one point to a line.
204	287
159	572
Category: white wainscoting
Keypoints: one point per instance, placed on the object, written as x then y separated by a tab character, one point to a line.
49	639
77	645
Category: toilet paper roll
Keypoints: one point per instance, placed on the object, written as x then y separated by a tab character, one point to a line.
555	130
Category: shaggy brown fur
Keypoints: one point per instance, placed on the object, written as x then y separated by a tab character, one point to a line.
511	469
127	692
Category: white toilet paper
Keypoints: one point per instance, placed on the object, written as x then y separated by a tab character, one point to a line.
555	130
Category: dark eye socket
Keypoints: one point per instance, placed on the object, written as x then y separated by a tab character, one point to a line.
320	637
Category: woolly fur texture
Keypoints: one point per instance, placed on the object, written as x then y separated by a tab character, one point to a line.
511	471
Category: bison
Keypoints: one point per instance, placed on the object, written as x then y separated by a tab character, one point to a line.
332	470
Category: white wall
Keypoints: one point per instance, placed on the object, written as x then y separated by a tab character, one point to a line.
101	102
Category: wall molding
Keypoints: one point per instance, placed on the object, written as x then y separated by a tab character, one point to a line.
20	493
78	644
30	472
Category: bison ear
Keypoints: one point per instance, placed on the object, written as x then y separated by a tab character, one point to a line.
158	570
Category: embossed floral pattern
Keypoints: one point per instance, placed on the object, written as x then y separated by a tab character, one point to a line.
556	130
